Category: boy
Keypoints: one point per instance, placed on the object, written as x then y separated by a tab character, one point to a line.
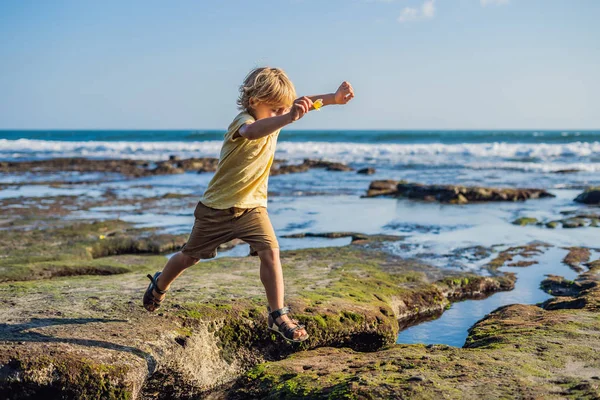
235	203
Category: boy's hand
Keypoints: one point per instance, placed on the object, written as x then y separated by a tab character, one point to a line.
344	94
300	107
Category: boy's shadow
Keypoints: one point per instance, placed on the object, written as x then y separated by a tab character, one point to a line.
20	333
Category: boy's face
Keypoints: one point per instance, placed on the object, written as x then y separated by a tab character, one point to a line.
264	110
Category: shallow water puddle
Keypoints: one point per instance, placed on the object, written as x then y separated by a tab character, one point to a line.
451	328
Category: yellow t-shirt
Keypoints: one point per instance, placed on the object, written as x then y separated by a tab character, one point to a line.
242	174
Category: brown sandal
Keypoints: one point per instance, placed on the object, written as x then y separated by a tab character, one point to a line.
151	303
284	328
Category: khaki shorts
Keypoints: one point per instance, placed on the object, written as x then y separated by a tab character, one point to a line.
213	227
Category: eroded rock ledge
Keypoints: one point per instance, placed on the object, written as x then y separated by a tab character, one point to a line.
517	351
280	168
131	168
451	194
141	168
87	336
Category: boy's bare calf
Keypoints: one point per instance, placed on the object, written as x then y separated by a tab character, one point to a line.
271	276
175	266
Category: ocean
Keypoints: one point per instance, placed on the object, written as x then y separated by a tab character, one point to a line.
470	155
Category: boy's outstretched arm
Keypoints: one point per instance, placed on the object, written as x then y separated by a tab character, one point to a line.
342	95
266	126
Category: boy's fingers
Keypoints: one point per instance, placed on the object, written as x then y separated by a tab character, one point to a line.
308	102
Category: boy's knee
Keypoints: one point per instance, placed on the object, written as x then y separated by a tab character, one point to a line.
188	261
268	255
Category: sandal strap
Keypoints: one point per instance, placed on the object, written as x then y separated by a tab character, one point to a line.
298	326
278	313
288	331
154	284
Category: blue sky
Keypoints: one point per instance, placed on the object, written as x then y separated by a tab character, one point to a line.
423	64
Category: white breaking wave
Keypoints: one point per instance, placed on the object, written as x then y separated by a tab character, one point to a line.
520	156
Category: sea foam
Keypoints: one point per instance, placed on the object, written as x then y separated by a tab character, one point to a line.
519	156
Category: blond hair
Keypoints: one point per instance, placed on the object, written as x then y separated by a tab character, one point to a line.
266	85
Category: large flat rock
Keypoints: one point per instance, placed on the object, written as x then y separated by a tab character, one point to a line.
452	194
84	334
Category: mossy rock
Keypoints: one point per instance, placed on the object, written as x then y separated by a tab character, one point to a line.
571	223
78	249
517	351
212	326
525	221
552	224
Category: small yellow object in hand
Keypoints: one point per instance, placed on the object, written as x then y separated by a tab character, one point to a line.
318	104
101	237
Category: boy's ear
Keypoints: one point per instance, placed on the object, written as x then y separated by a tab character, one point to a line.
252	102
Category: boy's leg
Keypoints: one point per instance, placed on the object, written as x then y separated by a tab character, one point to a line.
174	267
271	276
211	228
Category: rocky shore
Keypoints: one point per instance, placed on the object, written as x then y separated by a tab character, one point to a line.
141	168
518	351
74	325
452	194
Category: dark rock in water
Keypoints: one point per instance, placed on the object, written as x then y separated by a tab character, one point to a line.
558	286
576	220
173	157
366	171
288	169
198	164
590	196
338	167
525	221
356	237
164	168
574	223
576	257
566	171
328	165
451	194
279	169
130	168
382	188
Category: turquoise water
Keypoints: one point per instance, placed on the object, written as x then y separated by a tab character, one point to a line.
351	136
452	327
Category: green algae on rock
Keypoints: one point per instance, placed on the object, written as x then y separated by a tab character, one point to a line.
517	351
78	249
578	220
523	221
211	328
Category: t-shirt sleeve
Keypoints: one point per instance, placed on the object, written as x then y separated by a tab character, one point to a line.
239	121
